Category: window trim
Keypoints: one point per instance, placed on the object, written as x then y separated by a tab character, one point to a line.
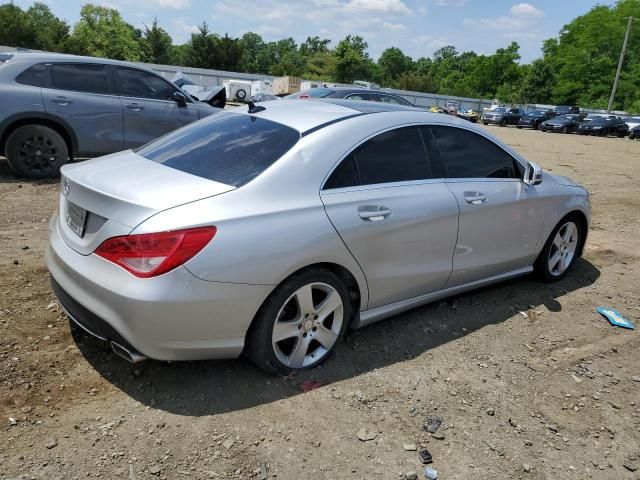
48	81
116	81
515	158
378	185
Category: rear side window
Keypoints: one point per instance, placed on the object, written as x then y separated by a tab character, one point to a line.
312	92
80	77
393	156
229	148
137	83
34	75
468	155
393	100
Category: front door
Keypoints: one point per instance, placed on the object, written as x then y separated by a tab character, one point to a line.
500	216
149	110
395	214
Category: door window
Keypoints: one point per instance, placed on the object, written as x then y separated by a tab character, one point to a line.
80	77
364	96
466	154
393	156
392	100
138	83
33	76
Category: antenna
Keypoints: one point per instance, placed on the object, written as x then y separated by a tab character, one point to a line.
253	108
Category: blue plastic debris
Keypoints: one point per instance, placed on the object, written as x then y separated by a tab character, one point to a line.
615	318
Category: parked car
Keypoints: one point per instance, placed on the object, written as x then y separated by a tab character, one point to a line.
271	233
350	94
635	133
566	110
58	107
502	116
631	121
451	107
469	115
604	126
562	124
535	118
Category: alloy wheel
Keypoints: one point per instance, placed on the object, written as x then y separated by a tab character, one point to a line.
308	325
39	154
563	249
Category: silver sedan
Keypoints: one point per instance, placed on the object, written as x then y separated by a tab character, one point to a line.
270	230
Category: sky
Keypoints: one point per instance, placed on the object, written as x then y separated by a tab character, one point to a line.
417	27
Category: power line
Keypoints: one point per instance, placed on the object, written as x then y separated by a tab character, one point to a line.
615	82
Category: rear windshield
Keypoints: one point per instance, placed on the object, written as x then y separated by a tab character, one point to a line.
5	57
229	148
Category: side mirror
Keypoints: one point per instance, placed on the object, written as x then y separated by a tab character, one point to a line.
179	98
532	174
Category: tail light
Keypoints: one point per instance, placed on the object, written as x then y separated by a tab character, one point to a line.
152	254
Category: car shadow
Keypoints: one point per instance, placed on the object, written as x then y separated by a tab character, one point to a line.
211	387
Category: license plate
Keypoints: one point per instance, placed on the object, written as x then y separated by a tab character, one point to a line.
76	218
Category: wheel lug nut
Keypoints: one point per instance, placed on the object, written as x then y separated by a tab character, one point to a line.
315	328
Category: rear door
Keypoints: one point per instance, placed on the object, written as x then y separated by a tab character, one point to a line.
392	209
82	95
149	110
500	216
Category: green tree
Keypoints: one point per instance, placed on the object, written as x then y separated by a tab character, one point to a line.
15	28
352	59
314	45
51	32
155	44
101	32
201	49
253	58
394	63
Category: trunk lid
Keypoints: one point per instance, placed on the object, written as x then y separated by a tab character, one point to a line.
111	195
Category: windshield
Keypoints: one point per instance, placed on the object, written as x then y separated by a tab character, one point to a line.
500	110
230	148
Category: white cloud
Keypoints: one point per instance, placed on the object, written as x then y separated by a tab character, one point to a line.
450	3
184	27
521	16
397	27
175	4
526	10
387	6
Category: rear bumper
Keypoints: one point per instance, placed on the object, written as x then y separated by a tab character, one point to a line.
493	121
175	316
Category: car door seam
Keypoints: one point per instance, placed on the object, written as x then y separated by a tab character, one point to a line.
455	245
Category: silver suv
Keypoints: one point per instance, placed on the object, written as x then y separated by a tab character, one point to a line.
58	107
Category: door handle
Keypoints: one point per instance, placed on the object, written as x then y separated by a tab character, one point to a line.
136	107
373	213
61	100
475	198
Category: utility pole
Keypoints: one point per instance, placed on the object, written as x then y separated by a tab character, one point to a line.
615	82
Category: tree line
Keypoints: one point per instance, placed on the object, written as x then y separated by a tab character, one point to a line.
575	68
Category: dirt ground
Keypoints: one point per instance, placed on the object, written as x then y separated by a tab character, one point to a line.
530	381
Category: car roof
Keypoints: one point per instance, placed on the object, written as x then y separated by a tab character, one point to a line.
38	57
316	113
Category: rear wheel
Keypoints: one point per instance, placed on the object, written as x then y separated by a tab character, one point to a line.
300	323
36	151
503	123
560	250
565	130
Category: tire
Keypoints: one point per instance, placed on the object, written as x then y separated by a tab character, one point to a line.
241	94
565	130
485	123
568	248
36	151
299	326
519	127
536	126
503	123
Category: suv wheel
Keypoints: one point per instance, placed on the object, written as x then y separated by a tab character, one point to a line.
300	323
36	151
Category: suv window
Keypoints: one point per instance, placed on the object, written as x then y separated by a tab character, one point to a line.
392	100
34	75
363	96
80	77
138	83
393	156
468	155
229	148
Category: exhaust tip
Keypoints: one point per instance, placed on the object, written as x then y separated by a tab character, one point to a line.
129	355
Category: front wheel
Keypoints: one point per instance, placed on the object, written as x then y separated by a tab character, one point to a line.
36	151
560	250
300	323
